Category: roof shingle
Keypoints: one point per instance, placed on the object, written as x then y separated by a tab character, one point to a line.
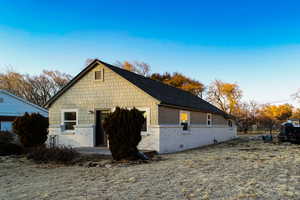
166	94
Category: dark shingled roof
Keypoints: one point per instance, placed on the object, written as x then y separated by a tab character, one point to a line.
167	95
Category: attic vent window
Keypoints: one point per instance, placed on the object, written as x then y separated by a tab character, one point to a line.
99	75
1	100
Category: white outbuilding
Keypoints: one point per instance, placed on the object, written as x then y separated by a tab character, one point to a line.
12	106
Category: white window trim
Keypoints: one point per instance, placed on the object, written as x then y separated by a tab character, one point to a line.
63	111
209	125
147	110
189	120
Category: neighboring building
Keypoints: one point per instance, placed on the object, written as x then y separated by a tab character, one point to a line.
12	106
175	119
295	122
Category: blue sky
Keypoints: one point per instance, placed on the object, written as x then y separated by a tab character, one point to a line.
253	43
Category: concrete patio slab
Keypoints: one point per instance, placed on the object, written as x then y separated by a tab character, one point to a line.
93	150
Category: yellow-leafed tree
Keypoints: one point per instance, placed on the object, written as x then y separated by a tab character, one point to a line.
226	96
180	81
271	115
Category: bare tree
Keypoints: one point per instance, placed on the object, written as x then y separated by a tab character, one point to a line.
36	89
88	61
296	96
141	68
246	115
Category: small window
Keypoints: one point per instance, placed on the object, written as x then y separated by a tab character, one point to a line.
230	123
184	120
69	120
209	120
98	75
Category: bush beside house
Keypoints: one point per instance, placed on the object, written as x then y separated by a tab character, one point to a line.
123	128
31	129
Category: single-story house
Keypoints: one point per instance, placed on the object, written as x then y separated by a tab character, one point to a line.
12	106
175	119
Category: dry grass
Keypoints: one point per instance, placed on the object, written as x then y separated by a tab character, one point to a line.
239	169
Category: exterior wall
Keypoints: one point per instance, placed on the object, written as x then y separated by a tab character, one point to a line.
198	117
151	140
89	95
168	115
173	138
219	120
82	136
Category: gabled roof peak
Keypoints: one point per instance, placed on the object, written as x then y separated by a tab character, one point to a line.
166	94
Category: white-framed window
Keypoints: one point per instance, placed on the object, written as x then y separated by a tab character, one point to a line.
69	119
184	120
209	119
146	114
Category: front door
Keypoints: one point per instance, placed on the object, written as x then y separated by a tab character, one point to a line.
101	138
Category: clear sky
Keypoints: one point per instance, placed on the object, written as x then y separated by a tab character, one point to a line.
255	43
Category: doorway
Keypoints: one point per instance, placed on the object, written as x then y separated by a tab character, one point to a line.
101	138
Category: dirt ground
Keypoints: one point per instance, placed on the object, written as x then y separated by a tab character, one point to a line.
239	169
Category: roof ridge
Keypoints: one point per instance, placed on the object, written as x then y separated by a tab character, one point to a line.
165	93
160	82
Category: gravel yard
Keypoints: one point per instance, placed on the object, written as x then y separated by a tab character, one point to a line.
240	169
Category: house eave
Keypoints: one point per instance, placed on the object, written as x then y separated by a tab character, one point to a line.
225	115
